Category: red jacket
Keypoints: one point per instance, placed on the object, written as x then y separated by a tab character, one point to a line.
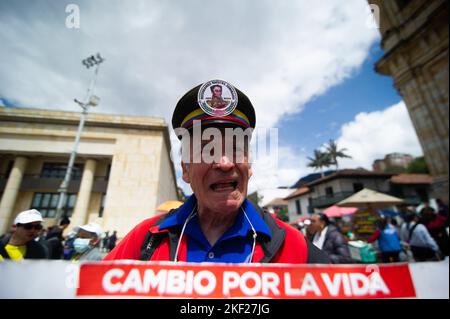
293	250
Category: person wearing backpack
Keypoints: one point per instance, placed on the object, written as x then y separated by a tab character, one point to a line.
422	245
388	240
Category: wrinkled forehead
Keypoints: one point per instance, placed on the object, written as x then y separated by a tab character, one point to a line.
218	134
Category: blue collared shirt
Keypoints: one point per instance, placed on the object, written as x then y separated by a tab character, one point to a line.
235	245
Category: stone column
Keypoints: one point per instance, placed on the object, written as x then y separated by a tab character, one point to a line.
11	191
80	214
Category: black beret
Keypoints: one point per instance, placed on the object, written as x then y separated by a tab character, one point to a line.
236	110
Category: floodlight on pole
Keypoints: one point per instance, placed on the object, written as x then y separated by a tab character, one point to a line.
90	100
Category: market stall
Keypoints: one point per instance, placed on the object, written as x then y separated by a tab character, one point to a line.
363	223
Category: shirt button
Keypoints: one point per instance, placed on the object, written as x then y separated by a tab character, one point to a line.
211	255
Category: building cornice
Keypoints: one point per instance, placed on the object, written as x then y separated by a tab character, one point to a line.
29	115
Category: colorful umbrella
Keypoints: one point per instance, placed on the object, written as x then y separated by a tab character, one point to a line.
300	220
336	211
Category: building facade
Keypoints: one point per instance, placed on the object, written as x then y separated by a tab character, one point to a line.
415	41
299	204
393	160
122	170
325	192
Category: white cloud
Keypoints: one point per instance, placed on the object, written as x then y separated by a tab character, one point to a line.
371	136
284	171
281	54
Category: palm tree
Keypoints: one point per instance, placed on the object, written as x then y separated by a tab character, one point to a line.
320	160
334	153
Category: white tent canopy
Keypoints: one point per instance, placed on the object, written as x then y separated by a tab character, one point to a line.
370	198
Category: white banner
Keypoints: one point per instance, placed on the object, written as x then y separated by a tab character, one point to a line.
59	279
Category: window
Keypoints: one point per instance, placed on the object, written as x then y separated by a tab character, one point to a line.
297	207
357	187
102	205
310	206
47	203
329	191
108	171
9	169
58	170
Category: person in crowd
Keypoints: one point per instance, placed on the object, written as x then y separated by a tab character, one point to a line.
41	240
68	249
112	241
328	238
442	209
86	243
435	225
55	239
422	245
302	226
388	240
105	242
22	244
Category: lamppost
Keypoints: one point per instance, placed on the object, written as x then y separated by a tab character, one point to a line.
90	100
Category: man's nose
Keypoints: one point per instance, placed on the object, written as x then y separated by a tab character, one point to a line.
224	163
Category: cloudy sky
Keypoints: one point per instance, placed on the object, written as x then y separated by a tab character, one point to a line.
307	66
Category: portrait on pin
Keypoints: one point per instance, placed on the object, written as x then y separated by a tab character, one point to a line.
216	101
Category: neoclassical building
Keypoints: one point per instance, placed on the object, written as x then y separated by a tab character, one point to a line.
415	41
122	170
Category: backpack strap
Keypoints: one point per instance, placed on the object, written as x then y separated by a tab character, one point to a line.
3	244
270	247
4	253
153	240
412	230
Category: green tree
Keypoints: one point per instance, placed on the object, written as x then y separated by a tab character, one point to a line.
282	213
418	166
319	161
334	153
395	170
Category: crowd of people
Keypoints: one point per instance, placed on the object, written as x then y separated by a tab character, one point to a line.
421	234
29	239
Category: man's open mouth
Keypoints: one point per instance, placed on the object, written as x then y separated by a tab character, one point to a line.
224	186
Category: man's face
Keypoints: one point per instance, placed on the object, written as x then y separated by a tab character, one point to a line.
28	232
221	185
217	91
84	234
316	223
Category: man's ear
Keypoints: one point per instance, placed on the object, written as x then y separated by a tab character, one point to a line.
250	170
185	167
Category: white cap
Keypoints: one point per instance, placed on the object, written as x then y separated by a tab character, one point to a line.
28	216
91	228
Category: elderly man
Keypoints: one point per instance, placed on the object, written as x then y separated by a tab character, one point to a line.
21	244
217	223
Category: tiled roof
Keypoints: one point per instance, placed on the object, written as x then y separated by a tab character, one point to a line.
277	202
351	173
412	179
298	192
